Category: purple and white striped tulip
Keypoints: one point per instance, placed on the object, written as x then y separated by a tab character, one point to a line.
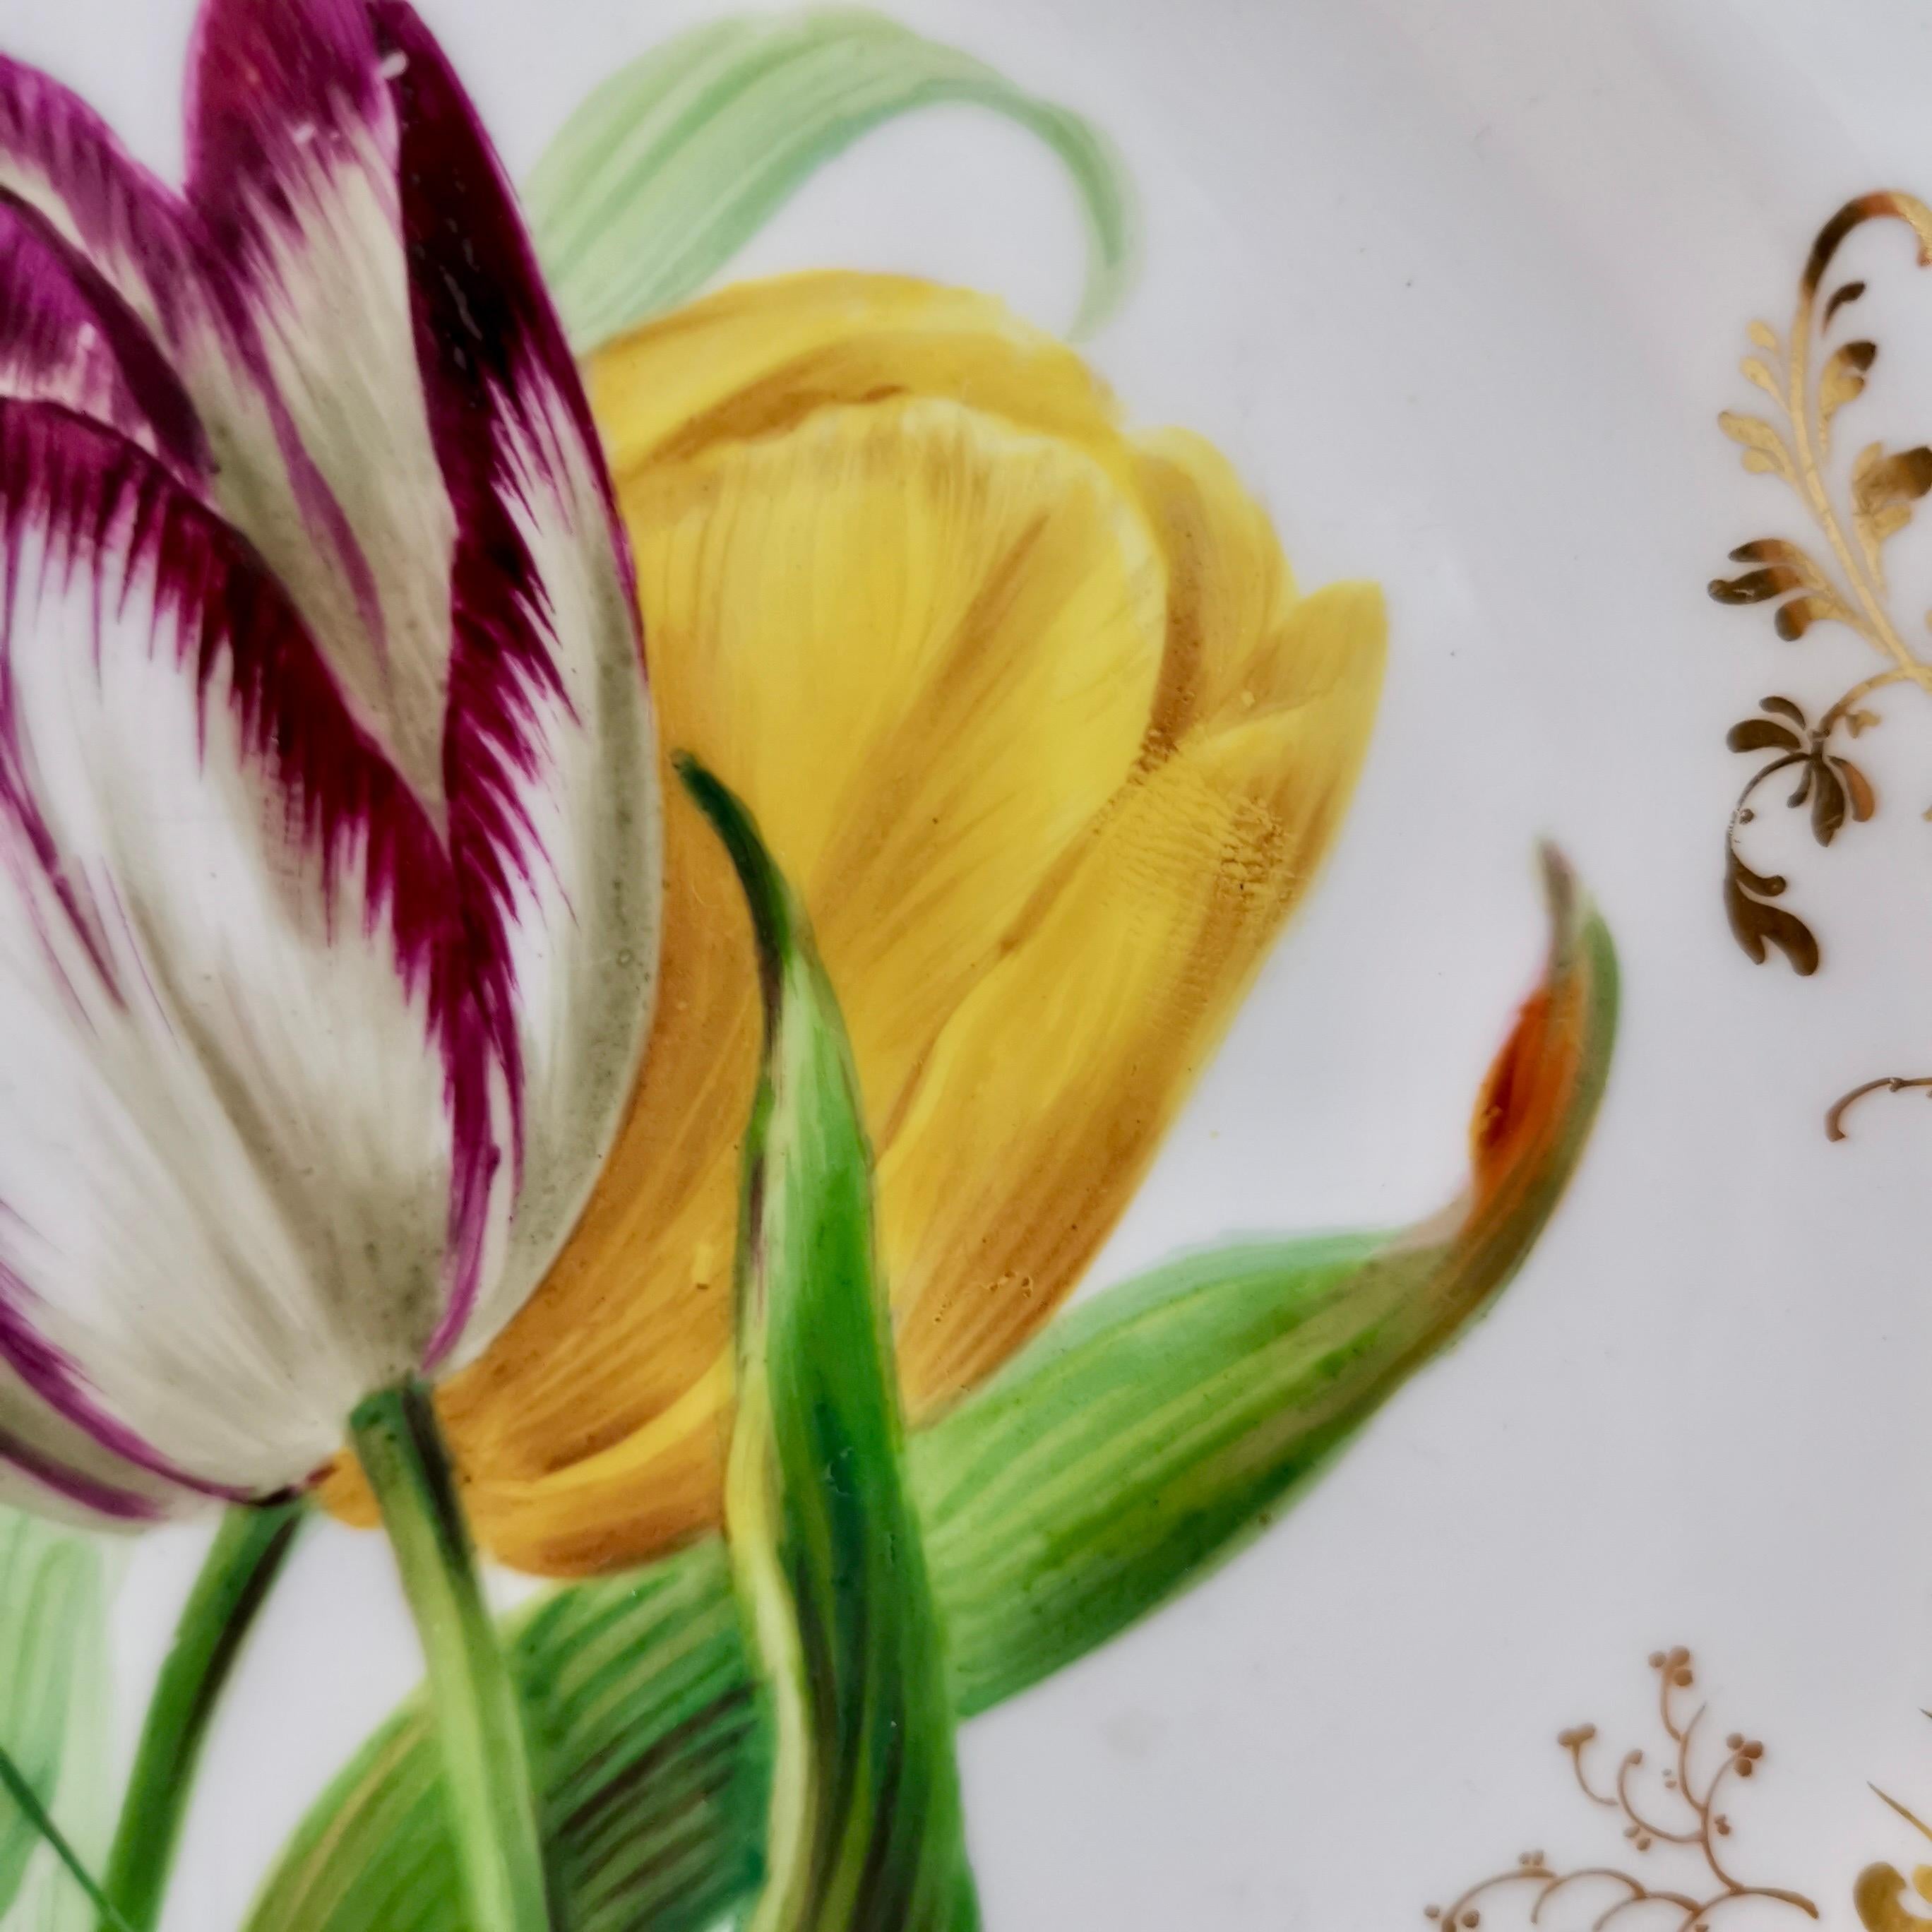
328	798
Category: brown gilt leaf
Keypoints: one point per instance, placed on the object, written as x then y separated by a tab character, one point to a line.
1756	586
1762	734
1795	618
1843	380
1903	477
1847	291
1766	885
1883	490
1781	549
1858	788
1757	926
1785	708
1827	802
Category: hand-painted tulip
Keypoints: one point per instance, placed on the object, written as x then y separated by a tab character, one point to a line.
1032	709
328	798
328	923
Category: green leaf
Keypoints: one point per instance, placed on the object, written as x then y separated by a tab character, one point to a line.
53	1714
671	166
863	1824
1142	1440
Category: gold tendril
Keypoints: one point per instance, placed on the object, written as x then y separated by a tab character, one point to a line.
1889	1083
1683	1816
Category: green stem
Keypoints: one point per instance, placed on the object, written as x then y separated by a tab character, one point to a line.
486	1763
240	1568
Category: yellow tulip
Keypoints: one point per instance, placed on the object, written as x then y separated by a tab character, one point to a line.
1031	709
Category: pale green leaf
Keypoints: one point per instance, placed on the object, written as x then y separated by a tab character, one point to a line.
671	166
53	1715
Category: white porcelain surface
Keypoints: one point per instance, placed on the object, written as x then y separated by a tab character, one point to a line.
1461	286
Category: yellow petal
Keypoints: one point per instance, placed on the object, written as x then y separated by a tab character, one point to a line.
922	643
1231	591
758	358
1049	1089
1263	717
637	1308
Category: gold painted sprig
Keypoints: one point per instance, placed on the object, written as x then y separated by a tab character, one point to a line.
1838	578
1684	1812
1828	782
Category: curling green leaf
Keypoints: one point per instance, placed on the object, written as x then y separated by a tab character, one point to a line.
671	166
1144	1437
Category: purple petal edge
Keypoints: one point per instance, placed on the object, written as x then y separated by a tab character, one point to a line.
165	255
502	390
51	298
55	1381
89	1493
266	77
123	215
106	505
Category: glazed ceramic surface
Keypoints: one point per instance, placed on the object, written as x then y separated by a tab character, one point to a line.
1461	291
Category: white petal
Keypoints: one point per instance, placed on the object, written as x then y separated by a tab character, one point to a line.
284	304
551	772
583	928
226	1137
319	413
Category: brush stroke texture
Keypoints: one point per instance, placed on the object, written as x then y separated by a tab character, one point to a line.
1036	717
327	893
1148	1435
